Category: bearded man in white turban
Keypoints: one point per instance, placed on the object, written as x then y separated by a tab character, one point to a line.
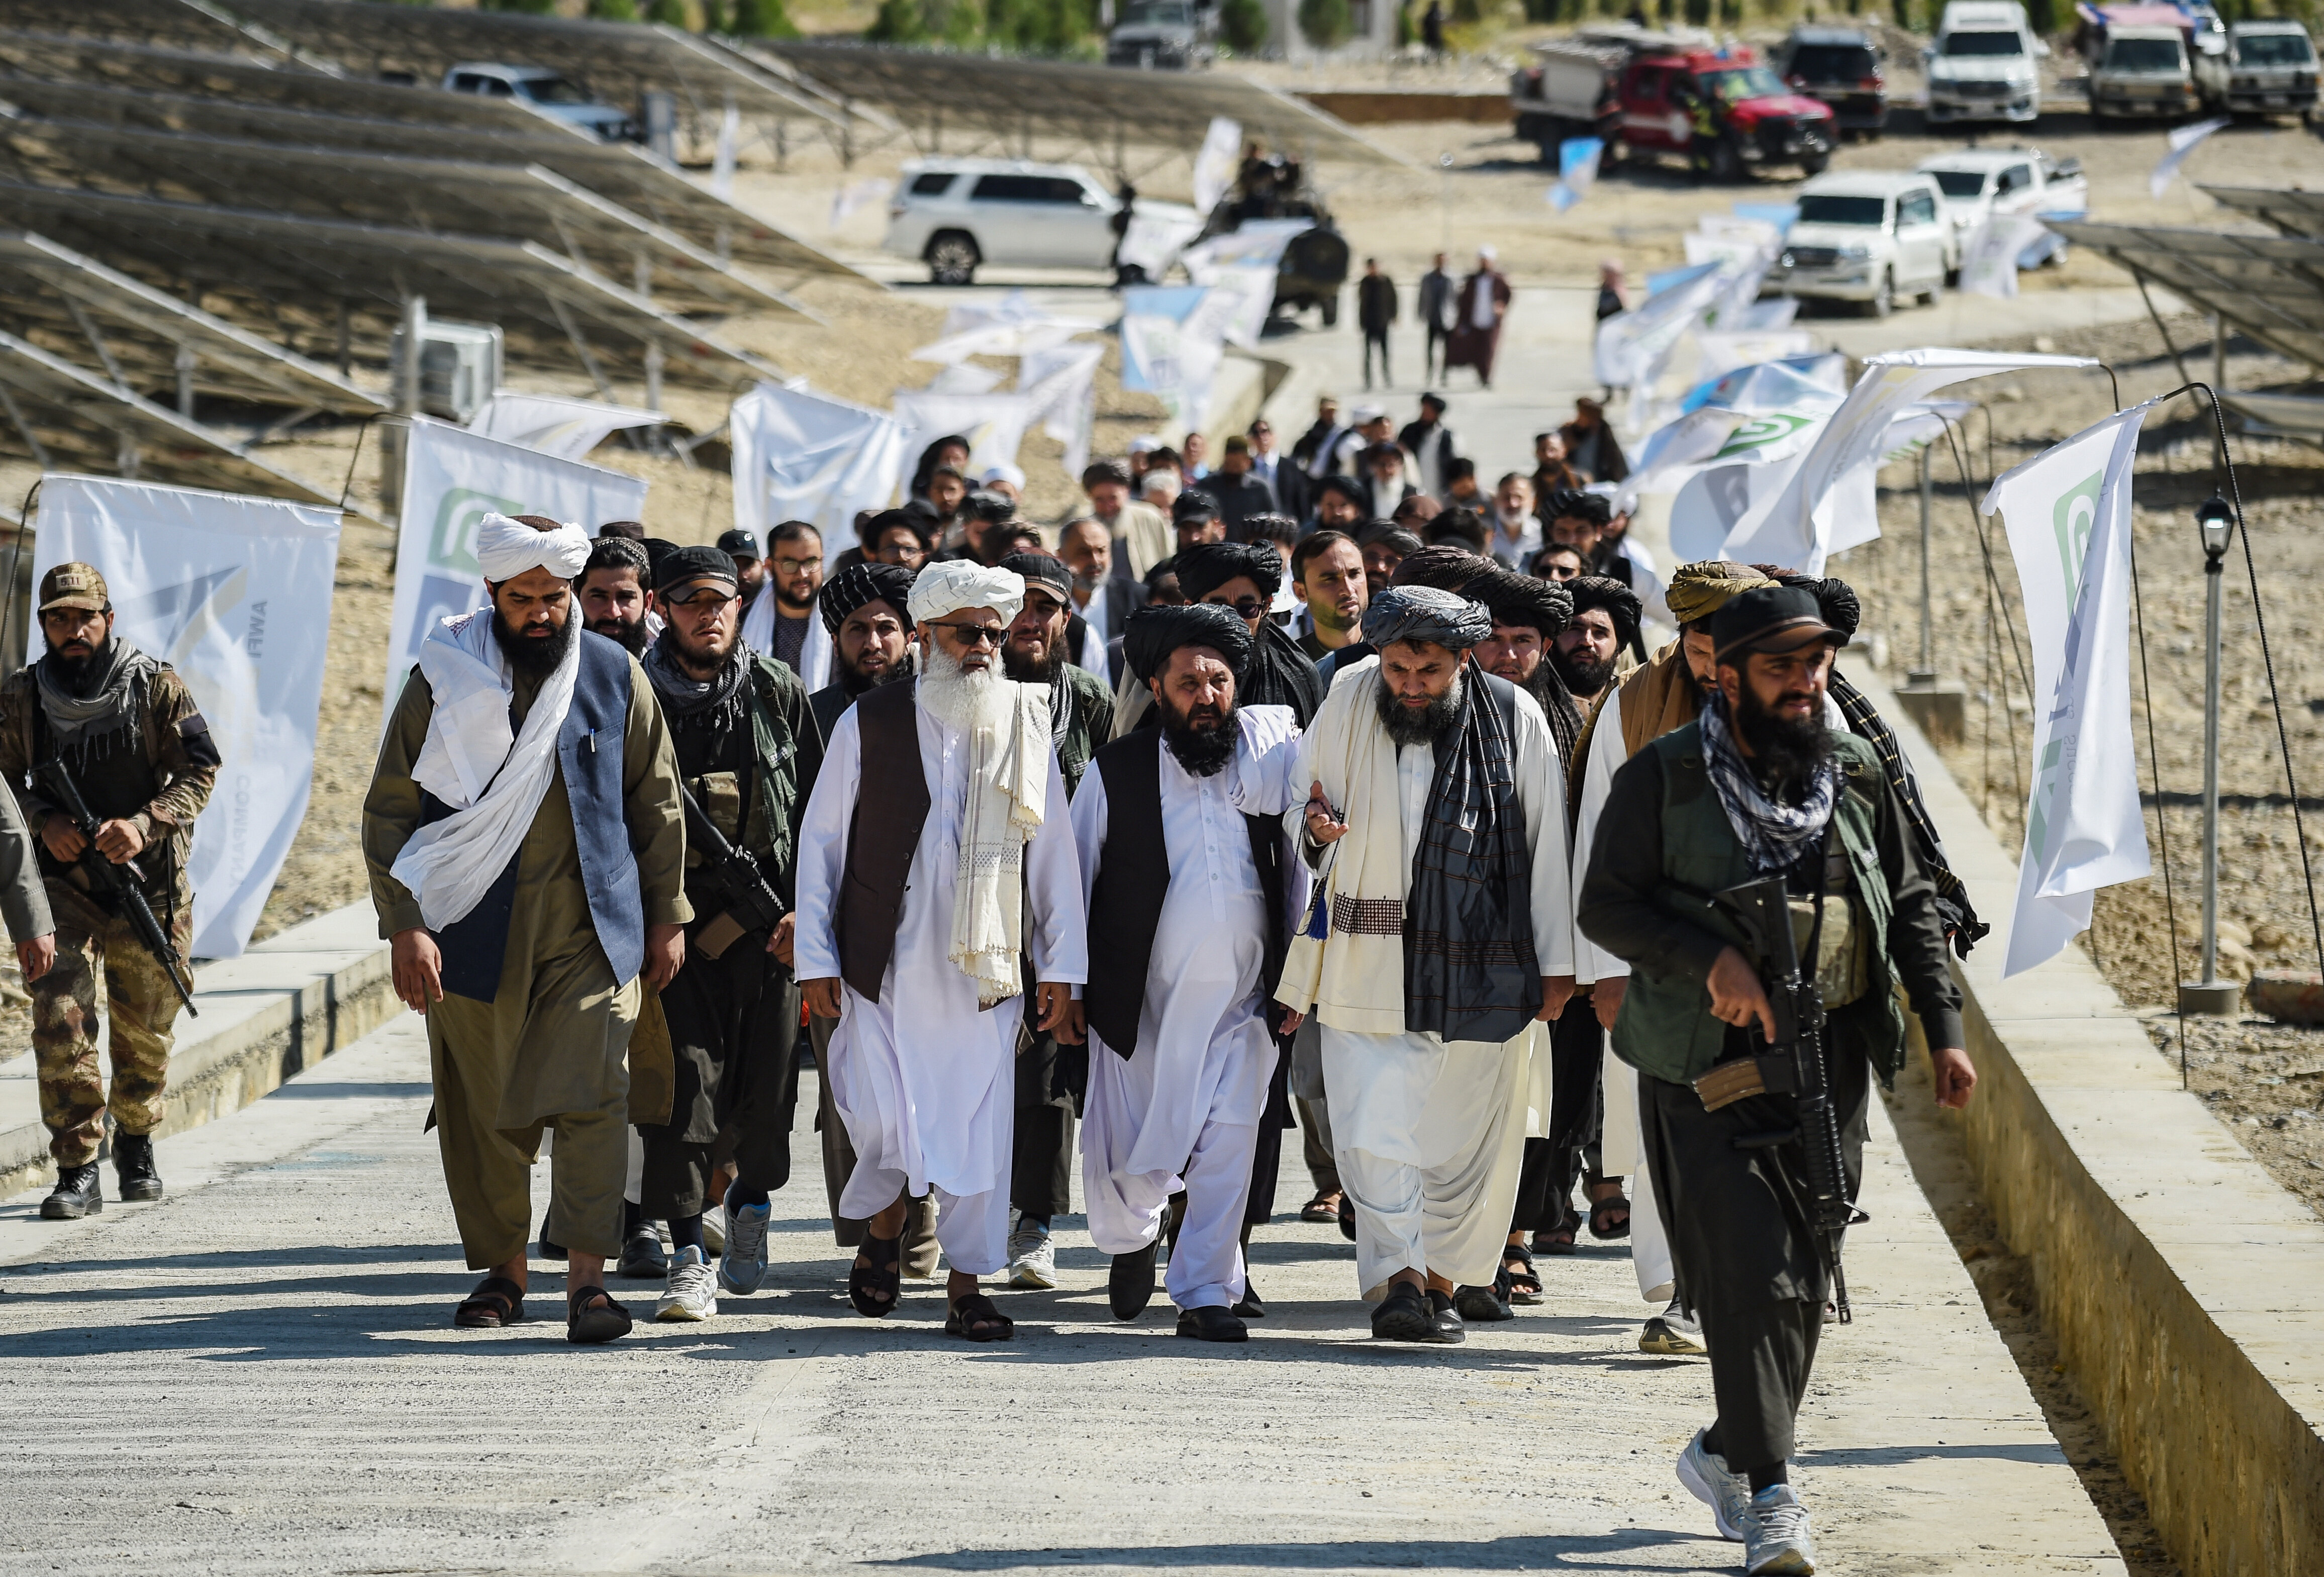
525	842
934	856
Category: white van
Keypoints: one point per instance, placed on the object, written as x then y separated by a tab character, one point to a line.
957	215
1984	64
1868	236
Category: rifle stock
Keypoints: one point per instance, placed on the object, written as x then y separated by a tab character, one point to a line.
752	903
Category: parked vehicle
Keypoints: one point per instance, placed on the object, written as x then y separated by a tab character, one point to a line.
1839	67
2143	70
1162	34
1977	184
1868	236
2268	68
545	91
1655	96
1272	197
1983	64
957	215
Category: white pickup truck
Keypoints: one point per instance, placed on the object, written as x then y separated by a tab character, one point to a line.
2268	68
1981	182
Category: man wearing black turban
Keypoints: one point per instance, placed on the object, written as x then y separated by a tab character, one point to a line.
862	612
1181	836
1245	577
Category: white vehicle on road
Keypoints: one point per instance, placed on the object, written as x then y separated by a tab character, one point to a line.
958	215
2268	68
1868	236
1982	64
545	92
1978	183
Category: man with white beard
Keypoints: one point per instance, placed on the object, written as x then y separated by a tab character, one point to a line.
1445	928
936	826
1180	838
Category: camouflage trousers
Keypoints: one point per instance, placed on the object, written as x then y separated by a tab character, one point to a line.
140	1004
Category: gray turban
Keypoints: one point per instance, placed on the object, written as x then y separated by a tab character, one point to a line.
1422	612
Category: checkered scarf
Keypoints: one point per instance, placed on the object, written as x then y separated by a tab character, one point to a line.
1774	834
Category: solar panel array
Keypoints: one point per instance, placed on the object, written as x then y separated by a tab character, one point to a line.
2270	287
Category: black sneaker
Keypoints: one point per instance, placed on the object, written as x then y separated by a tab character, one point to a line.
75	1195
1129	1283
643	1257
133	1161
1403	1316
1450	1330
1482	1305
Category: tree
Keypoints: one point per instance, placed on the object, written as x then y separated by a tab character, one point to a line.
764	19
1243	24
608	10
1325	23
669	11
529	7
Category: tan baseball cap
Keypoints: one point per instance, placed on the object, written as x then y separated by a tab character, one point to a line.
74	586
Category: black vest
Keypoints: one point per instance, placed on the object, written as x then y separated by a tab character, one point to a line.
1133	878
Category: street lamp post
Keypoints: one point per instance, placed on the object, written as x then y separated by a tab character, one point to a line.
2216	522
1925	674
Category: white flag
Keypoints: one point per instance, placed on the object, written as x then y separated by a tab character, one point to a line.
452	479
1216	166
1632	344
1059	383
234	593
2068	511
1828	502
993	424
800	455
1990	260
556	425
2184	141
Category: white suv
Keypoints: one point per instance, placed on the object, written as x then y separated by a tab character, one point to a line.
1868	237
956	215
1983	64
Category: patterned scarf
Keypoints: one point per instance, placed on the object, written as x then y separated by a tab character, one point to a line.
1774	834
1471	972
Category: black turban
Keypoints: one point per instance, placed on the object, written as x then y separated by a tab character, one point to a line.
1571	502
1612	597
1203	569
1521	599
1423	613
1835	598
869	581
1151	635
1041	569
1440	565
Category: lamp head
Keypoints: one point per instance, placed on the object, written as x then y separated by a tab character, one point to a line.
2216	523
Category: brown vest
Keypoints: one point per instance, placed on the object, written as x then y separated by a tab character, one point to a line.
892	805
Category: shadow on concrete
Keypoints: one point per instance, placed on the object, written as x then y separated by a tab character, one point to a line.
2046	1453
1581	1552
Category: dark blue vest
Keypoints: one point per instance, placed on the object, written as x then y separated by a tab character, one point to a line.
589	753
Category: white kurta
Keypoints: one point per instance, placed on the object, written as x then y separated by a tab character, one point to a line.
1429	1134
925	1083
1183	1110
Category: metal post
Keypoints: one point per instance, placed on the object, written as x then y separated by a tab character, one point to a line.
186	382
1926	674
2219	352
2210	994
415	330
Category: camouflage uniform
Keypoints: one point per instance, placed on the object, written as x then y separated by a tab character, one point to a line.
157	776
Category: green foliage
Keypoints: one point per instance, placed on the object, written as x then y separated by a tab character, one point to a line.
1325	23
529	7
673	12
2042	16
1038	27
1243	24
762	19
609	10
1031	27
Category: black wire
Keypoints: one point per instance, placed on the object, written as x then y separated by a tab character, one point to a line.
1996	600
2162	812
347	487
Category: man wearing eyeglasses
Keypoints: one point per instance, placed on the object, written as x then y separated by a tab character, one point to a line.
936	856
777	621
747	748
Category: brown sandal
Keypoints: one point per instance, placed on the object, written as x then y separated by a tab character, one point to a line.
977	1318
497	1302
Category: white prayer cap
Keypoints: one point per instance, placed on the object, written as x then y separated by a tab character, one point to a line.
1363	415
1004	473
949	585
1489	253
1144	444
506	549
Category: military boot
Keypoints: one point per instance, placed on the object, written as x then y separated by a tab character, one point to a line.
133	1158
75	1195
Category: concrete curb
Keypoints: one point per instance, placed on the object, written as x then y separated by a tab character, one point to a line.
2180	1282
289	1002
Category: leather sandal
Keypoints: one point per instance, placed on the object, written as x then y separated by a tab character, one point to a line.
497	1302
592	1317
977	1318
884	1274
1602	1208
1525	1281
1323	1210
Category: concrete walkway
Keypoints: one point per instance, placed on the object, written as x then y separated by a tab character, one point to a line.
259	1375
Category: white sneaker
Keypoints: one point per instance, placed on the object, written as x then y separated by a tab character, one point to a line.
1672	1334
1032	1257
714	1229
693	1292
1727	1494
1777	1542
743	1263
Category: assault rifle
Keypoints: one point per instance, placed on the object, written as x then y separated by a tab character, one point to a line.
1793	1065
752	903
121	887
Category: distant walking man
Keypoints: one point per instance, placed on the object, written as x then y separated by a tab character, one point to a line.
526	843
1434	305
126	728
1476	331
1376	310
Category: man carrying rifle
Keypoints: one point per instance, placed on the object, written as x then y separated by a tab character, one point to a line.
1731	1064
98	720
748	750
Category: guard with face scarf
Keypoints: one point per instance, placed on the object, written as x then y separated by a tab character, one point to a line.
1191	897
747	750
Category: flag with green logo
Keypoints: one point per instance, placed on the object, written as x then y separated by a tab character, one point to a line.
2068	514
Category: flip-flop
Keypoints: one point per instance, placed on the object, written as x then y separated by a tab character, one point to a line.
588	1324
977	1318
497	1302
883	1273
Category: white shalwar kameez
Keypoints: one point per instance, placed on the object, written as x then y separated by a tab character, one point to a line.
1429	1134
1183	1110
925	1083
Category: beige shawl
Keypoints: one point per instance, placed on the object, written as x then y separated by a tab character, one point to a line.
1009	782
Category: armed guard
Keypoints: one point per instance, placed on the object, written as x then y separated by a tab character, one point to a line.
97	720
1751	1078
747	749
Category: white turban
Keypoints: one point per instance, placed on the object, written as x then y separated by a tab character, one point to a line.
950	584
506	549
